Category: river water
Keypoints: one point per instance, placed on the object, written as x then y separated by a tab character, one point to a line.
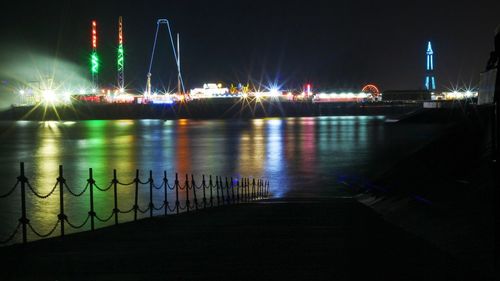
301	157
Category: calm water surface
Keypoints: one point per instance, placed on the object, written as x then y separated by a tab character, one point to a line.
301	157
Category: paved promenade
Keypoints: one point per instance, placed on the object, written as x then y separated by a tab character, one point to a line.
286	239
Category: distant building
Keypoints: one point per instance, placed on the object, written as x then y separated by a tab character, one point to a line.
210	90
406	95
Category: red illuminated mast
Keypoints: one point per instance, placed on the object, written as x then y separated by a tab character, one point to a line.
94	58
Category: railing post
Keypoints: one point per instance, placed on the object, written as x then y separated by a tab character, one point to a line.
61	215
237	191
253	189
232	189
259	189
267	189
266	193
115	195
211	195
151	194
217	189
187	193
23	220
136	199
91	189
228	198
221	186
246	190
165	188
177	193
204	195
242	186
193	185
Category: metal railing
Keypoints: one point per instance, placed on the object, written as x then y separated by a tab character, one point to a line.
217	192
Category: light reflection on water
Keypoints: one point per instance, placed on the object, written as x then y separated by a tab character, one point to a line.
299	156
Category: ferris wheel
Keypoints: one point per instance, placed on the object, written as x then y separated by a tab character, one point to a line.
371	89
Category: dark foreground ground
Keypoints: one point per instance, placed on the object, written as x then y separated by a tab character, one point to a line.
329	239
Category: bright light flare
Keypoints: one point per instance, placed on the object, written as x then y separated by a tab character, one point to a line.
49	96
274	92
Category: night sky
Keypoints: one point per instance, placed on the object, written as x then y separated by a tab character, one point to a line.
332	44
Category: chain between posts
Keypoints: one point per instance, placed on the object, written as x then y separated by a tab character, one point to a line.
44	235
10	191
104	189
106	219
80	225
74	193
38	194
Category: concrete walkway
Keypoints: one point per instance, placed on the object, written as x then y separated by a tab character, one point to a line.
293	239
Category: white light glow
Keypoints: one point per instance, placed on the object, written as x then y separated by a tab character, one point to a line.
49	96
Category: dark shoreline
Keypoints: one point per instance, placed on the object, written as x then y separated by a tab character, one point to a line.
221	109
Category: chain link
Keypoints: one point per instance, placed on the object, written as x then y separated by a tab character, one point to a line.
198	205
44	235
142	211
159	187
77	194
159	208
104	220
181	208
128	211
198	186
77	226
171	187
42	196
11	236
10	191
143	182
104	189
172	209
128	183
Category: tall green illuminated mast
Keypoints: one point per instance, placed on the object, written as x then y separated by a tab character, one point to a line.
120	58
94	58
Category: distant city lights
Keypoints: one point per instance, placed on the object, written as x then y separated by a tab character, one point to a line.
459	95
341	97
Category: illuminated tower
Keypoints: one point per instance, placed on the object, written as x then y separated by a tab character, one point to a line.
430	81
94	58
120	58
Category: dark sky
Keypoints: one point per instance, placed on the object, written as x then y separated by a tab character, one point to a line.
333	44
